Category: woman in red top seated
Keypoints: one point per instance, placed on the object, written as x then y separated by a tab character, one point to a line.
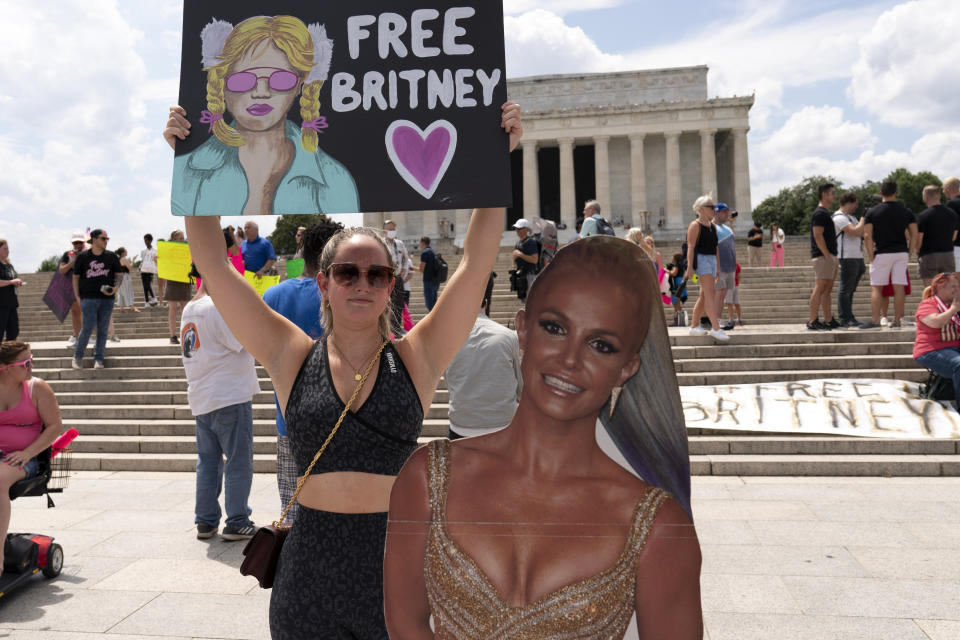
937	346
27	405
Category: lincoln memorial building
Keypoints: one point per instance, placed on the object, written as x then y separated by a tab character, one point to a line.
645	144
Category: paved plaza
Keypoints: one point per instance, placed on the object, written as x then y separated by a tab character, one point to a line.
786	558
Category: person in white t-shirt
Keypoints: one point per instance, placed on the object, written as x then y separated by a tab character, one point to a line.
850	252
148	269
221	383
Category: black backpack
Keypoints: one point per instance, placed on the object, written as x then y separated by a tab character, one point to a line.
604	228
442	269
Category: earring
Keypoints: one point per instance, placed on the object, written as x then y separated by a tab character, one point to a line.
614	396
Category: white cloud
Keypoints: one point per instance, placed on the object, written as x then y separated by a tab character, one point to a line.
540	42
906	72
515	7
818	130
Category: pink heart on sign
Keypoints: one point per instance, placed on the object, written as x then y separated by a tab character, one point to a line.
421	157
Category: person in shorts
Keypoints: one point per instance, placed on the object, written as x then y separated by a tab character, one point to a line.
885	235
823	254
936	231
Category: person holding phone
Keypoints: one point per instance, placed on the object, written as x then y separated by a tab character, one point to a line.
94	283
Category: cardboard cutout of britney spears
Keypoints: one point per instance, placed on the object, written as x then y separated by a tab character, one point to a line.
259	162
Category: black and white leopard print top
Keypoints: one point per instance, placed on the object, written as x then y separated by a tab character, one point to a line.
376	438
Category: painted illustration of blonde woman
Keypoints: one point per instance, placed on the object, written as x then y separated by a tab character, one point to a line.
257	160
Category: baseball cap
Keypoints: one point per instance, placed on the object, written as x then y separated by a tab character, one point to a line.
77	237
722	207
522	223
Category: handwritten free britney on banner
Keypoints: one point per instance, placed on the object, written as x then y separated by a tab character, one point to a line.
341	107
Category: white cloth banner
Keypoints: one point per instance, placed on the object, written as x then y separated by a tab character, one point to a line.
872	408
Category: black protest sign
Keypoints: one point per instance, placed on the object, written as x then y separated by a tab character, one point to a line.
337	107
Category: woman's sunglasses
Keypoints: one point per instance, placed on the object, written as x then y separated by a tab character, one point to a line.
279	80
347	274
26	364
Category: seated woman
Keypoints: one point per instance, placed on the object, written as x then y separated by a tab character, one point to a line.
29	423
533	531
937	346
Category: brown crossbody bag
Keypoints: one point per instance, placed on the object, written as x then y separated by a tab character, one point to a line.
263	550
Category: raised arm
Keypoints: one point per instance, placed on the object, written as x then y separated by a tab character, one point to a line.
430	346
278	344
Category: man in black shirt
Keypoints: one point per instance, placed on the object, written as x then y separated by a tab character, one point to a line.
754	244
526	256
823	253
951	191
94	278
889	235
430	271
937	231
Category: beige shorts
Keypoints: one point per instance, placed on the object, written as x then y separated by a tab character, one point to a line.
826	267
934	263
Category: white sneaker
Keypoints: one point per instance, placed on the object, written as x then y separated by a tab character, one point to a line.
884	322
76	364
698	331
98	364
718	334
72	342
114	338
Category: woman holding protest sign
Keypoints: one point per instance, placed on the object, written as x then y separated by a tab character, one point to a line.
534	531
329	580
937	345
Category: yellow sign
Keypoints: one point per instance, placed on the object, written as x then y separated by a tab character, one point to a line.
260	285
173	261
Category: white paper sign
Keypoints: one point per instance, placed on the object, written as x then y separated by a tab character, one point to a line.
871	408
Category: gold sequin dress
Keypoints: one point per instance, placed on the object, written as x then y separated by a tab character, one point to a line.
466	606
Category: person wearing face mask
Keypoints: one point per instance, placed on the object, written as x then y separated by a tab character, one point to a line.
401	258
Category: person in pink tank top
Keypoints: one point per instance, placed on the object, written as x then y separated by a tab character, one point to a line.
29	423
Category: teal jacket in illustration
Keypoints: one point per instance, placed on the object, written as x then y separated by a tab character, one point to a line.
210	181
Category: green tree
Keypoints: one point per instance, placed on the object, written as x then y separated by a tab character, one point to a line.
792	208
50	264
910	187
284	237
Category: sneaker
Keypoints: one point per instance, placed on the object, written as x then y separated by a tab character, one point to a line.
853	324
238	533
72	342
698	331
816	325
98	364
833	324
884	322
869	325
895	325
205	531
174	340
718	334
114	338
729	326
739	323
76	363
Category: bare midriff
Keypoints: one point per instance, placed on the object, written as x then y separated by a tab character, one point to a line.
347	492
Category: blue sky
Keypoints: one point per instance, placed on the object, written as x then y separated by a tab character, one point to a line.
855	89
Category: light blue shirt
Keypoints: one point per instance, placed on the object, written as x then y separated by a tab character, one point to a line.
726	249
210	181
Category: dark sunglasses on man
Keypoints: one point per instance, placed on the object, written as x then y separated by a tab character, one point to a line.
347	274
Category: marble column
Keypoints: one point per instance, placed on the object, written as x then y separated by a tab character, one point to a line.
463	219
741	171
708	162
568	191
430	227
601	154
531	182
674	188
638	181
373	219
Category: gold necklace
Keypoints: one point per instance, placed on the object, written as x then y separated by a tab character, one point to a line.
356	370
